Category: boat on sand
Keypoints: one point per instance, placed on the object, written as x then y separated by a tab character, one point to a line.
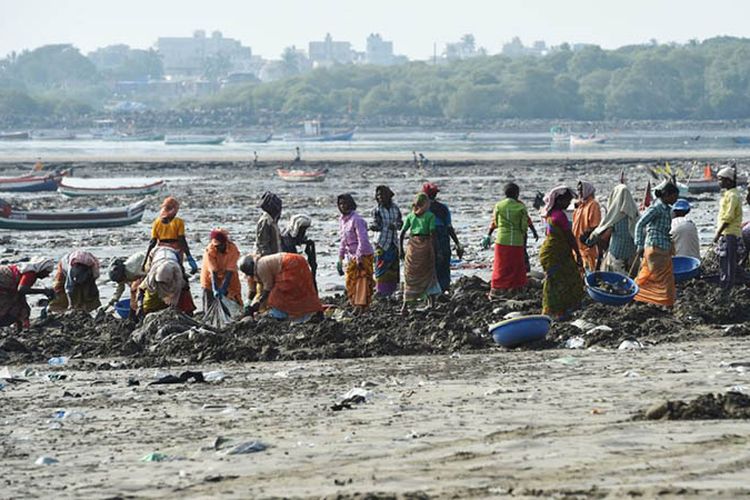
46	220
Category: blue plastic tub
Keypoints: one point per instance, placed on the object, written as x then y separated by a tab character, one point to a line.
610	299
122	308
685	268
517	331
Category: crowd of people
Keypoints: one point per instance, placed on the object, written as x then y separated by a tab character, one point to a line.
281	281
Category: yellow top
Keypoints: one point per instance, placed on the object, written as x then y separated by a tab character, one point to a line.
730	212
169	231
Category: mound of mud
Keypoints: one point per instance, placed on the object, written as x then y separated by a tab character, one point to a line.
732	405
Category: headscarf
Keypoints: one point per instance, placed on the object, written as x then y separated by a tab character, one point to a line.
169	208
587	190
165	279
348	199
297	223
421	203
271	204
219	234
621	204
430	189
551	197
727	173
86	259
37	265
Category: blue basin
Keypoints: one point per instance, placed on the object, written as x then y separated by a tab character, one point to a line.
616	279
685	267
517	331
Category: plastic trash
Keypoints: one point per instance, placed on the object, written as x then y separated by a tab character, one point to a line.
155	457
5	373
46	461
214	376
600	328
583	325
55	377
575	343
355	396
630	345
566	360
631	374
57	361
247	447
68	415
738	388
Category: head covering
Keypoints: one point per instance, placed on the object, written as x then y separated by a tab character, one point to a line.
726	173
247	265
621	204
84	258
297	223
430	189
348	199
551	197
421	203
220	235
37	265
165	279
271	204
169	207
587	189
80	273
117	270
681	205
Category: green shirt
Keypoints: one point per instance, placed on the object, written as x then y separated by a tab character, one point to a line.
512	222
420	225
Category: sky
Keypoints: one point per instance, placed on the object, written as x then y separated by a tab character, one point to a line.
415	26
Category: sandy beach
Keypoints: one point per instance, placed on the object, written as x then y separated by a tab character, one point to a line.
446	413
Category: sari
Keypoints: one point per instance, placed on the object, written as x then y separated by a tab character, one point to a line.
420	279
387	270
360	283
656	278
563	286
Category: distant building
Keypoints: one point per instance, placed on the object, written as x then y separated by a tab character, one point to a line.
188	56
463	49
516	48
379	51
328	52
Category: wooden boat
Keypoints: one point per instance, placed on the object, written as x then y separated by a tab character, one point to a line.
31	183
346	135
11	218
145	137
194	140
74	187
295	175
587	140
14	136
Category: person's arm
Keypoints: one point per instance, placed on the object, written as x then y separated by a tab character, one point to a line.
644	221
360	228
725	214
401	242
227	279
377	221
118	293
573	245
151	245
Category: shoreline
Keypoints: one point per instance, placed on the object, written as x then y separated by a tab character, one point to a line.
14	157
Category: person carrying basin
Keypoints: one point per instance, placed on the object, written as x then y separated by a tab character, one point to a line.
288	288
75	283
16	283
652	238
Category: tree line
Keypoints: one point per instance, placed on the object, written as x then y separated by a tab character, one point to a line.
697	80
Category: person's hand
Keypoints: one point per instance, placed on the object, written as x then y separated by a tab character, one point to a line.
193	264
392	225
254	308
340	267
460	251
485	242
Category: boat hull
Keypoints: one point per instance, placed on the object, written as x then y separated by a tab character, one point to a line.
343	136
15	136
301	176
193	141
47	221
29	184
78	191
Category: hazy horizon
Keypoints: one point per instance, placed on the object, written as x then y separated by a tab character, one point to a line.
413	26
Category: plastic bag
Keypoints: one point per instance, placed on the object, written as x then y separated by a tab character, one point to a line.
221	311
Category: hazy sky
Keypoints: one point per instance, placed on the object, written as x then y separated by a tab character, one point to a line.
413	25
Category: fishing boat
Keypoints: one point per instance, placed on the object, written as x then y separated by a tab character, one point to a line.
53	135
587	140
31	183
296	175
75	187
144	137
709	183
14	136
11	218
314	133
195	140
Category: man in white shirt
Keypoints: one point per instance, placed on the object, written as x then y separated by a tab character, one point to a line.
684	232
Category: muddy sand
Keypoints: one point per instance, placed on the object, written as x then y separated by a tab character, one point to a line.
464	419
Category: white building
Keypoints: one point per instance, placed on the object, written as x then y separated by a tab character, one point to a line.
328	52
379	51
188	56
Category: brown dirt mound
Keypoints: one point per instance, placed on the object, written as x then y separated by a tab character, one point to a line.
732	405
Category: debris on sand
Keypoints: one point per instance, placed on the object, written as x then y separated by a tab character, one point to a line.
732	405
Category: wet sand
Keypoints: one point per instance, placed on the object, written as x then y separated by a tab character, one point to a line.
465	419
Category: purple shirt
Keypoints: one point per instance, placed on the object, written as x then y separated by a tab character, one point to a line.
354	240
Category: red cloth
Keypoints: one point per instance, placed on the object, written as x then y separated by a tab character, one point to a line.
27	279
509	267
293	290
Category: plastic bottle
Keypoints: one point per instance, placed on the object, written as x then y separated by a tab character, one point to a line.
57	361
